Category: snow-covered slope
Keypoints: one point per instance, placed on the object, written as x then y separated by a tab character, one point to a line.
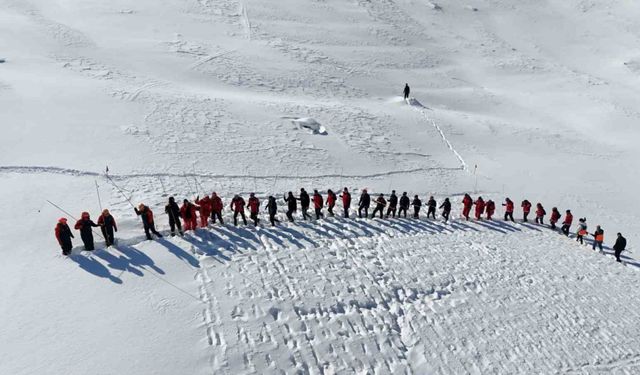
185	97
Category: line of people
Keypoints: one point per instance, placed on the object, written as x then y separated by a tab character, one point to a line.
210	208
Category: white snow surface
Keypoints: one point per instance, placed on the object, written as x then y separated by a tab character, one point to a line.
526	99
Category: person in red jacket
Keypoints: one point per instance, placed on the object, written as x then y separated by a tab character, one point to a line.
555	216
479	208
205	210
188	214
467	202
108	226
331	201
566	224
346	201
254	208
490	208
216	208
84	225
64	236
318	203
526	208
508	211
540	212
237	205
148	224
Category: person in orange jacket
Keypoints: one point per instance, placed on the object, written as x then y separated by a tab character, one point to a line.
237	205
467	202
318	203
555	217
540	212
216	208
188	214
254	208
64	236
205	210
566	224
490	208
526	208
479	208
508	211
598	238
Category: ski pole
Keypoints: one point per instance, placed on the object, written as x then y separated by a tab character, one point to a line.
98	192
162	184
120	190
189	183
71	216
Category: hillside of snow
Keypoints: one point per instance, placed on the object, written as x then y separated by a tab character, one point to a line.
519	99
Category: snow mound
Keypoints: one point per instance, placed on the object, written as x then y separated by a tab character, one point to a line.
310	124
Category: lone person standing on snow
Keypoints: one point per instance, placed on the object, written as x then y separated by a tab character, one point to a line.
621	243
407	90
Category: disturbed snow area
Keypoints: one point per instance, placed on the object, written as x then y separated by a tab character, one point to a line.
528	100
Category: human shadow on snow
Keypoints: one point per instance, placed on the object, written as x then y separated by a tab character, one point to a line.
94	267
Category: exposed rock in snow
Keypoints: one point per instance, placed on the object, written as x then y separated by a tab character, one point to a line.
310	124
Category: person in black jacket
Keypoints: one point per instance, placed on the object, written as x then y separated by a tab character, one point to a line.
431	205
446	209
417	203
173	210
393	204
292	205
380	204
64	236
620	245
404	204
406	91
272	208
84	225
305	201
364	203
108	226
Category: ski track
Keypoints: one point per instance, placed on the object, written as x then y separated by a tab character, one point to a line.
84	173
463	164
319	297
